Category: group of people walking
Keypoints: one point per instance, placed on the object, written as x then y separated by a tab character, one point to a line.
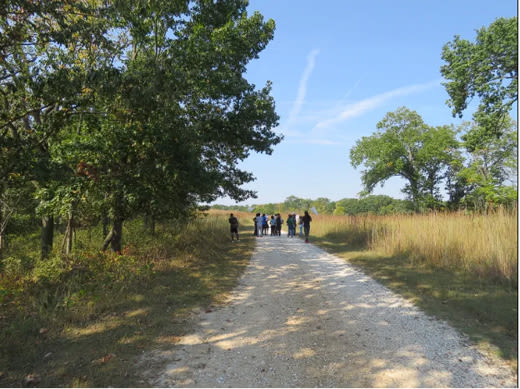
265	224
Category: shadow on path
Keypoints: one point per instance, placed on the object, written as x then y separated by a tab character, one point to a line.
304	318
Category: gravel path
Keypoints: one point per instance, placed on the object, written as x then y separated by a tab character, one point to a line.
304	318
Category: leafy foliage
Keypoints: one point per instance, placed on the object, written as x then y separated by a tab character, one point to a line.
488	69
373	204
117	108
405	146
491	172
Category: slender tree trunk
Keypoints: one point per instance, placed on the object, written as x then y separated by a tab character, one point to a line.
108	239
2	242
117	234
114	238
67	239
47	236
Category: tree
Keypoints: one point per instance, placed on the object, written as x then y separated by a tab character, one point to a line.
131	107
183	131
491	172
43	80
405	146
488	69
323	205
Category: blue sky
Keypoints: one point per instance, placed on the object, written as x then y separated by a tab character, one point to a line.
337	67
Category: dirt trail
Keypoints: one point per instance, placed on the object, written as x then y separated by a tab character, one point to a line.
304	318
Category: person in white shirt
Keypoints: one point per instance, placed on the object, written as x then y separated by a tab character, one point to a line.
259	224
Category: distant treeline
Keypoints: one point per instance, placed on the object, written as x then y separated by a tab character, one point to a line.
375	204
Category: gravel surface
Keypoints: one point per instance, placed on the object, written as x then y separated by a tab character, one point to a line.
304	318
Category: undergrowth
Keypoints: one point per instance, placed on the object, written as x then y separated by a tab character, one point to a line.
79	320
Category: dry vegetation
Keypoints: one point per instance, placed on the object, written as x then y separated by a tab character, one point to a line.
459	267
484	245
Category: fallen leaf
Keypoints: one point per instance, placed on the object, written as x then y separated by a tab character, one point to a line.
31	380
104	359
43	331
107	358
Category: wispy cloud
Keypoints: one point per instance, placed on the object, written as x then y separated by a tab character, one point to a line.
314	141
360	107
302	87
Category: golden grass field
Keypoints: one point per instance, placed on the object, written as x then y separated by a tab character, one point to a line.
485	245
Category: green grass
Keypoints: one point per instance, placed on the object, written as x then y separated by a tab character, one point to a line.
483	309
103	311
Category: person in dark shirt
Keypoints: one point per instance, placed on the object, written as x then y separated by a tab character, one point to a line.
233	223
279	222
307	225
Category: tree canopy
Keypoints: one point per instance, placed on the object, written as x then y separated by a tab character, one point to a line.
118	108
406	147
487	69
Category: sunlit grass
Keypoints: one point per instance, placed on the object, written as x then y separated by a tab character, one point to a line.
461	268
484	245
100	311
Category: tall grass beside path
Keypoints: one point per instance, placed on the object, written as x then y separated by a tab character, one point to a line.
460	268
483	245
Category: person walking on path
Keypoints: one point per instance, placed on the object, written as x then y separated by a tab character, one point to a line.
256	227
279	222
273	225
265	226
307	225
300	224
233	224
291	225
259	225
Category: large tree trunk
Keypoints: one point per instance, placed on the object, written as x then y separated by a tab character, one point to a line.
47	236
117	234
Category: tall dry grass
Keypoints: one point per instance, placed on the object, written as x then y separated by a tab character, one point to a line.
485	245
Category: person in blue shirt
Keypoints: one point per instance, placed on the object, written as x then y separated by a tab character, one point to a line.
273	226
